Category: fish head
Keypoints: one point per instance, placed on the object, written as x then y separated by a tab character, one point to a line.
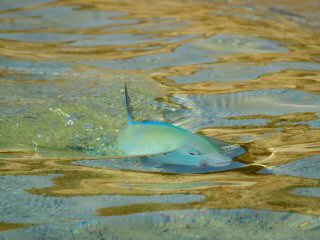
191	155
201	151
216	159
170	145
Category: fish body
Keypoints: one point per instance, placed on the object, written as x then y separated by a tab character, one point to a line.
172	144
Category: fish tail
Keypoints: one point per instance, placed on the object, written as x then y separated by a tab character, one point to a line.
129	112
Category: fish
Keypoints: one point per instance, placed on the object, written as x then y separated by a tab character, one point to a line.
168	144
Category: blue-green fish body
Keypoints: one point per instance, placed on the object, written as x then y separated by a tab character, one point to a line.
174	145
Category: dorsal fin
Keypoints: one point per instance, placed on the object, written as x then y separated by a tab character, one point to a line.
129	112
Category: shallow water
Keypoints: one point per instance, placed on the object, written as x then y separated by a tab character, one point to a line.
245	73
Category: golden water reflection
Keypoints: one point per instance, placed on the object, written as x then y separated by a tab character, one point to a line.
166	39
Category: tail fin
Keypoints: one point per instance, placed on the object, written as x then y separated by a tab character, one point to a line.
129	112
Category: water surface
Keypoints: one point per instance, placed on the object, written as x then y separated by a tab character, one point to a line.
245	73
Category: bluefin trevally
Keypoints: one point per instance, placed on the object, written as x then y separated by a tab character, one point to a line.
168	144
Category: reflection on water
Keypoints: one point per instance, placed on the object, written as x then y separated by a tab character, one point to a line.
202	51
229	72
150	164
187	224
17	205
308	168
244	72
60	17
312	192
236	109
9	5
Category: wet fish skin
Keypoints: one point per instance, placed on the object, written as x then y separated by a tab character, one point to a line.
179	145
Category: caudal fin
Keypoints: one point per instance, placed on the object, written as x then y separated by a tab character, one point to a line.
129	112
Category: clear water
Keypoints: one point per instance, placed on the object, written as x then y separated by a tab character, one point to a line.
244	73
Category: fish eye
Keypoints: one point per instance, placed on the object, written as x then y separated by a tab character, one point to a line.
193	153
